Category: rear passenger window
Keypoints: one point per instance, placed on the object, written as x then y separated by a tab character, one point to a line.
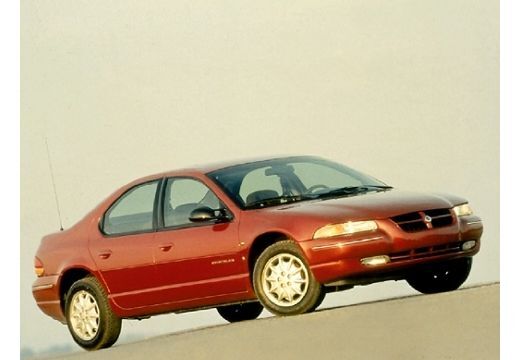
132	212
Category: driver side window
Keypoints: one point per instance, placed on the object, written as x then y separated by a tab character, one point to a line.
257	183
182	196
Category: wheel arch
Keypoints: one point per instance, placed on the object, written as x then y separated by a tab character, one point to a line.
69	277
261	243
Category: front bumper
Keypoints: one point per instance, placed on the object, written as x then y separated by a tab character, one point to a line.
339	258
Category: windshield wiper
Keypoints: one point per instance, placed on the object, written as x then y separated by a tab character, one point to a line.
343	191
276	201
352	190
382	187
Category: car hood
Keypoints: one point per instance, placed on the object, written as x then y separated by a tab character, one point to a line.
372	205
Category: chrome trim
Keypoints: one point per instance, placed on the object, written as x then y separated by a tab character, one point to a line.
474	222
43	287
344	243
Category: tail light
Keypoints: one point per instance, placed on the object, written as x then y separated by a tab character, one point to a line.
38	267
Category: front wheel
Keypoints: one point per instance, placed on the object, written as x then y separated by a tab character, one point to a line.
90	319
441	277
283	281
241	312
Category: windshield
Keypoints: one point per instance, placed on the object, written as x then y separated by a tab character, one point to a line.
279	181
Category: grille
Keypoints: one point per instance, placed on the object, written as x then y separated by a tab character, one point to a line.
427	251
424	220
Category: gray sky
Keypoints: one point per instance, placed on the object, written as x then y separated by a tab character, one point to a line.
405	91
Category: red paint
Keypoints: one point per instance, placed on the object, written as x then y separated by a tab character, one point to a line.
208	265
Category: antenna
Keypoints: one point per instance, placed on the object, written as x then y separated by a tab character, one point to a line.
54	184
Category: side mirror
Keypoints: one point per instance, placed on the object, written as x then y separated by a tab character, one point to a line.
205	213
202	214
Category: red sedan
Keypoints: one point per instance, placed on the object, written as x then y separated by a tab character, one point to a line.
276	234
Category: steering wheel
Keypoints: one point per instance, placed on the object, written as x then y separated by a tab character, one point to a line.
313	188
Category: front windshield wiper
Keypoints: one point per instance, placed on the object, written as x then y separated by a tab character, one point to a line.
343	191
382	187
352	190
284	199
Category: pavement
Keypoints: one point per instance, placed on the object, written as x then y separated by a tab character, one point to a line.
462	324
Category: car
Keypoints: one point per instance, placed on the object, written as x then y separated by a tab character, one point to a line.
275	233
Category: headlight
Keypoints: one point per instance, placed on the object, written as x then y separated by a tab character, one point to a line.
347	228
463	210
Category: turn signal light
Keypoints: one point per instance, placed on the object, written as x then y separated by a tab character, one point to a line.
38	267
468	245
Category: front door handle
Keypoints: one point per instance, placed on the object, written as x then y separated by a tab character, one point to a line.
105	254
166	247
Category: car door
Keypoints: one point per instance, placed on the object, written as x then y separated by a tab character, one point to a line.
123	248
196	261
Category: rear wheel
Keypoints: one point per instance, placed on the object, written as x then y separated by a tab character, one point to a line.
441	277
90	319
241	312
283	281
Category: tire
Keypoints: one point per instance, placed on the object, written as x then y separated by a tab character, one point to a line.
90	320
283	281
241	312
320	299
441	277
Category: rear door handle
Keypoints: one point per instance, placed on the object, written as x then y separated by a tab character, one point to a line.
166	247
105	254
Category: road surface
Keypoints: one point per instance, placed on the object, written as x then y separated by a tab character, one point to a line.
463	324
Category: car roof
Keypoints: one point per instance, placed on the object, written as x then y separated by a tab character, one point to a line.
209	167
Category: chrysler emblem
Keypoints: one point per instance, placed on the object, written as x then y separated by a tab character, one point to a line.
428	221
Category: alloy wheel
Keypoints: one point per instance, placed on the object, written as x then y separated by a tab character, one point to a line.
285	280
84	315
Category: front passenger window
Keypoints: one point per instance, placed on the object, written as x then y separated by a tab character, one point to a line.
183	195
